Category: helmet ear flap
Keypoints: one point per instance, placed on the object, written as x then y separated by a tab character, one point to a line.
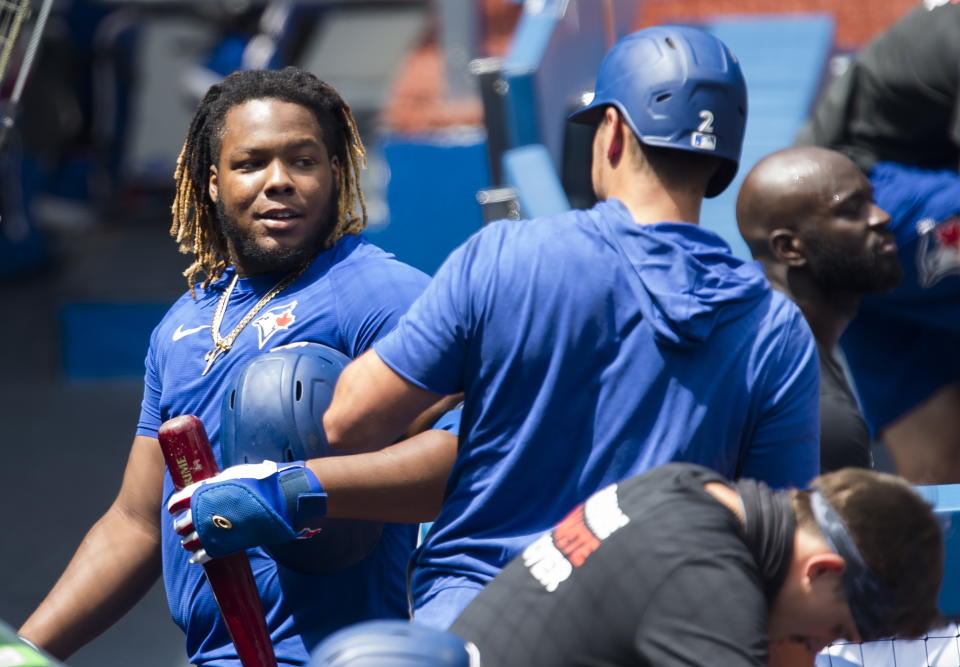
273	409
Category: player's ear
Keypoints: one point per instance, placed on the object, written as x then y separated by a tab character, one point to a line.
335	168
787	248
213	185
616	142
824	563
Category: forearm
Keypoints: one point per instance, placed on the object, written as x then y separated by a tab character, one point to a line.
402	483
372	406
426	419
115	565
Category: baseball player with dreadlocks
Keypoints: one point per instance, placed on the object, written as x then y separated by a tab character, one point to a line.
590	345
268	204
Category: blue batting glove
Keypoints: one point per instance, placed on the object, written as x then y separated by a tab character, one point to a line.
247	506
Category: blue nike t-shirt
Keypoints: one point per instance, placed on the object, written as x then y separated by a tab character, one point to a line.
349	297
592	348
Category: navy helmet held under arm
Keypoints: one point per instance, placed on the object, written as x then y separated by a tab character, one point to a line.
273	410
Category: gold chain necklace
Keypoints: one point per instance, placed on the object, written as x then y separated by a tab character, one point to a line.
222	345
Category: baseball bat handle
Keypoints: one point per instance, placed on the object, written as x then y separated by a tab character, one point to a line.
189	458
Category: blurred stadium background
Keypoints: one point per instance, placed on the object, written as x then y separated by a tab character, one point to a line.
462	106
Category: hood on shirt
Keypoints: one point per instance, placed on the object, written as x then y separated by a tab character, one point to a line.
684	277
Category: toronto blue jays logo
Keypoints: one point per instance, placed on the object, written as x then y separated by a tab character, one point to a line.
276	319
938	252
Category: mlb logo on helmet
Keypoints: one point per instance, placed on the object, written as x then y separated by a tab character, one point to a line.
707	142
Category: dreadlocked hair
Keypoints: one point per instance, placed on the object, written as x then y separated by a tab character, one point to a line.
195	225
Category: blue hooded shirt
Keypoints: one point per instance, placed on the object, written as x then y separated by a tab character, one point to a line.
592	348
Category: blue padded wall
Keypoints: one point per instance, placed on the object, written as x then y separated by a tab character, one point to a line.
106	340
783	58
431	193
529	170
553	56
945	499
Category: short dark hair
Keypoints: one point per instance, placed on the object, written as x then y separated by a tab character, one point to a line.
194	214
896	532
677	169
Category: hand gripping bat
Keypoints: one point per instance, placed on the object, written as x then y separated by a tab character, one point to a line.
189	459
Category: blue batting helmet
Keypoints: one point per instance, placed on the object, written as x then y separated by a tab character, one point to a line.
676	87
273	410
393	644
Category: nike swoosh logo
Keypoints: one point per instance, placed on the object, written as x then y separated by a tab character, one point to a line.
181	332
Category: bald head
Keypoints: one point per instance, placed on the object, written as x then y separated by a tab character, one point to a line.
808	214
790	189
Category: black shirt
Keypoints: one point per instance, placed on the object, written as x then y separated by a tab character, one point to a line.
844	438
899	99
652	571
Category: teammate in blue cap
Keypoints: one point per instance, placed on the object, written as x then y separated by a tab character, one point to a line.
269	207
591	345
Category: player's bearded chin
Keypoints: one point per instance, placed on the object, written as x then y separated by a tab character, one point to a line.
868	272
247	252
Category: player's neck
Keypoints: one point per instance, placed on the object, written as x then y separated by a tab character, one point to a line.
270	266
648	202
827	314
